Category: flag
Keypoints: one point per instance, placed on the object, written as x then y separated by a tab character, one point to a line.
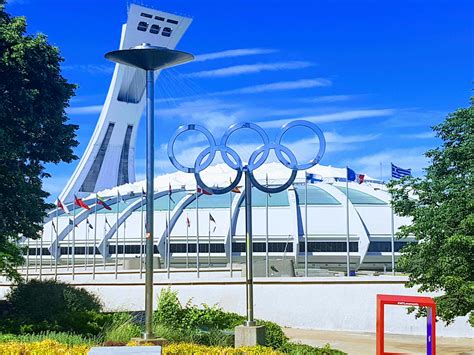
54	227
211	219
202	191
235	189
120	198
89	224
188	222
312	178
102	202
170	191
352	176
398	173
63	207
80	203
71	222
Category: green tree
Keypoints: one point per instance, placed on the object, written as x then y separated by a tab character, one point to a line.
441	205
33	131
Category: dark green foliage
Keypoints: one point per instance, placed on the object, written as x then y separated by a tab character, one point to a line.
39	306
63	338
443	219
33	131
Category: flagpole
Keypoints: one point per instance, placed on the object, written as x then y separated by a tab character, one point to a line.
68	242
167	240
197	232
187	241
73	240
124	243
86	251
267	266
51	239
141	237
36	255
392	241
57	257
306	225
41	256
117	234
95	238
105	241
209	242
347	223
230	232
27	258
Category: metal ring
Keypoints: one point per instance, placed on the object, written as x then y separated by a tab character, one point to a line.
253	127
256	160
315	129
236	166
291	165
183	129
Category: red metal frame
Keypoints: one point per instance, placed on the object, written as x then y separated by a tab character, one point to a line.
415	301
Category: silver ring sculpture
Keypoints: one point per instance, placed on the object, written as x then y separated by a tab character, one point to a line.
257	158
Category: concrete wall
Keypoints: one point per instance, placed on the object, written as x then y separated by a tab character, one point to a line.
336	303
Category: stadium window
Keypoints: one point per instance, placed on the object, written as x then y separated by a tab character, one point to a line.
385	247
142	26
144	14
174	22
260	247
159	18
155	29
166	32
330	247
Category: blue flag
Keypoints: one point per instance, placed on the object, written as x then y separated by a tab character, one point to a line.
312	178
398	173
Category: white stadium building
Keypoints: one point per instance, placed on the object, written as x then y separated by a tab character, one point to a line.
280	227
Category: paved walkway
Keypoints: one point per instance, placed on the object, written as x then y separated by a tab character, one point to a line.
364	343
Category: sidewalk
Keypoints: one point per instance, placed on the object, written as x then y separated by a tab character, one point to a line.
364	343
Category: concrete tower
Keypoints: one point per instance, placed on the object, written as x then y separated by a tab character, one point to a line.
109	159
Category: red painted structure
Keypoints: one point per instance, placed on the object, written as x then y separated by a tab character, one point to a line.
414	301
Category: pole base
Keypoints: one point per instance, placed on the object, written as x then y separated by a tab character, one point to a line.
249	335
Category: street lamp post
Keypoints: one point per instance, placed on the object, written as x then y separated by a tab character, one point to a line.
149	58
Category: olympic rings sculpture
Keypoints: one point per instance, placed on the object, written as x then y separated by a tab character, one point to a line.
256	160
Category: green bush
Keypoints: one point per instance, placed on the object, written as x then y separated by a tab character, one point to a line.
210	325
63	338
121	328
39	306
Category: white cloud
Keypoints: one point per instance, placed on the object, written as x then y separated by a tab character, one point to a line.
420	135
231	53
84	110
278	86
329	98
249	69
90	68
332	117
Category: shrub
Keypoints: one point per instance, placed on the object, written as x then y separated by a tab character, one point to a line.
63	338
210	325
216	350
48	305
42	347
121	328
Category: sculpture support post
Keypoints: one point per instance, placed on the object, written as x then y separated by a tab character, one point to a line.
249	249
150	136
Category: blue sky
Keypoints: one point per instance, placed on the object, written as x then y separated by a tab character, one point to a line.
374	75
